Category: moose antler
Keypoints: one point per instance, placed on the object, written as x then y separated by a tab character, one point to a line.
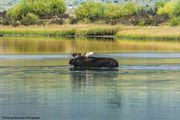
78	55
89	54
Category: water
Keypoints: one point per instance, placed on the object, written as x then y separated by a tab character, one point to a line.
36	83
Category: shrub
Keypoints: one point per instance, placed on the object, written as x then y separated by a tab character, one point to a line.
93	11
73	20
130	8
57	7
102	31
167	9
142	23
20	10
30	19
90	10
175	21
40	8
16	23
176	10
161	3
113	11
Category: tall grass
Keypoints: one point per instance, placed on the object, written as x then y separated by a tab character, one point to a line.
164	33
86	30
39	8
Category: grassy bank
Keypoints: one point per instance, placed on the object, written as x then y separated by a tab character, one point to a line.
61	30
161	32
131	32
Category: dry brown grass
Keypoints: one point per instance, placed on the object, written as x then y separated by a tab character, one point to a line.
151	32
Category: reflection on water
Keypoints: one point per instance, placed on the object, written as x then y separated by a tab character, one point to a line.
140	89
45	45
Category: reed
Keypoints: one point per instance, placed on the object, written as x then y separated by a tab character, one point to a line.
133	32
161	32
64	30
111	31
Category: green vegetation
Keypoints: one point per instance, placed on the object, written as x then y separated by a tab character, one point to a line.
108	31
31	12
35	9
175	21
85	30
30	19
92	11
159	33
171	9
134	32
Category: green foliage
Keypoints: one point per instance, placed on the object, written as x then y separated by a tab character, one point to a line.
172	9
57	7
20	10
40	8
113	11
101	31
30	19
97	11
73	20
167	9
176	10
142	23
175	21
161	3
90	11
16	23
97	31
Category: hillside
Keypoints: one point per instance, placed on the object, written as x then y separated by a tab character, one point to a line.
5	4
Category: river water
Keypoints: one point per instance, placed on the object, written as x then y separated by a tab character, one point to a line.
36	80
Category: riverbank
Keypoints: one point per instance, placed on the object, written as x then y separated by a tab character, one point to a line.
151	32
62	30
95	30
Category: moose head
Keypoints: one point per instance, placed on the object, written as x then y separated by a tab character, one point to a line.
81	55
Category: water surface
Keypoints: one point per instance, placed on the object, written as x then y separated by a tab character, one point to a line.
34	82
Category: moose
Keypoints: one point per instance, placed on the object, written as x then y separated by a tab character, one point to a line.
86	60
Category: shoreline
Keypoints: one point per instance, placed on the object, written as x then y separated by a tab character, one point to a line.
96	31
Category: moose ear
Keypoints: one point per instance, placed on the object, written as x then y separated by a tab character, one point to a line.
89	54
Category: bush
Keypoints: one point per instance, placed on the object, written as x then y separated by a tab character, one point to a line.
93	11
73	20
113	11
16	23
175	21
30	19
90	10
167	9
40	8
176	10
57	7
172	9
161	3
20	10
